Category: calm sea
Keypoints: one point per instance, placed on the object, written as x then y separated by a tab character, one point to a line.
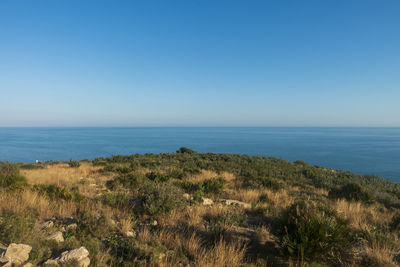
360	150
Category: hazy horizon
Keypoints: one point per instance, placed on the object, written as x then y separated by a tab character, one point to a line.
206	64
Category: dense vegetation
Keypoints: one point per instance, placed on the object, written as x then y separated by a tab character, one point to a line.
202	209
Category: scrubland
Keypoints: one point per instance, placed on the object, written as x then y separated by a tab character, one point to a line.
200	209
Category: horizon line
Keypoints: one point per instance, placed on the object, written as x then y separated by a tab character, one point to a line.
202	126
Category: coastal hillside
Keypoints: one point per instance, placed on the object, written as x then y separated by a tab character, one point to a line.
195	209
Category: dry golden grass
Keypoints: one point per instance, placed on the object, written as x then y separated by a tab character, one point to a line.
381	252
246	195
170	239
223	254
125	225
171	219
144	235
63	175
185	228
18	203
88	178
361	216
278	199
207	174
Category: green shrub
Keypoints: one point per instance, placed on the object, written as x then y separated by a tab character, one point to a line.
185	150
158	177
32	166
116	199
352	192
395	222
161	198
213	186
126	252
92	226
189	187
74	164
10	177
108	168
131	180
56	192
309	173
207	187
227	218
124	169
177	174
302	163
311	231
14	228
262	182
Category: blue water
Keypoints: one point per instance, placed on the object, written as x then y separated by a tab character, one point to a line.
360	150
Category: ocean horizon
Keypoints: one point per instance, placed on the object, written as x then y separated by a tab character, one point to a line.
362	150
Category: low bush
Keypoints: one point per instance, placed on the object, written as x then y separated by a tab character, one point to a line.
262	182
161	198
123	169
352	192
116	199
55	192
311	231
185	150
207	187
32	166
395	222
213	186
10	177
74	164
16	229
158	177
177	174
92	226
227	218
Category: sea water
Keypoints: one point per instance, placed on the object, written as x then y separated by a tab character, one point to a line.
360	150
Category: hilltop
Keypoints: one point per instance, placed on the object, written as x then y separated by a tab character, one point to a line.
195	209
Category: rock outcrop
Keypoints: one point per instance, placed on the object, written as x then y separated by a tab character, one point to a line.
207	201
231	202
77	257
56	236
15	254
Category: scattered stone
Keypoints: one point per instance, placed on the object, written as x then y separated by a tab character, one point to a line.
170	253
187	196
72	226
17	253
231	202
78	257
57	236
130	234
50	263
161	256
3	259
135	202
47	224
207	201
3	249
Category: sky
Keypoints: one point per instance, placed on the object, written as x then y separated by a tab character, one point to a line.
200	63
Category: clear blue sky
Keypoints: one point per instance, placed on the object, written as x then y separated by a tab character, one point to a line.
250	63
